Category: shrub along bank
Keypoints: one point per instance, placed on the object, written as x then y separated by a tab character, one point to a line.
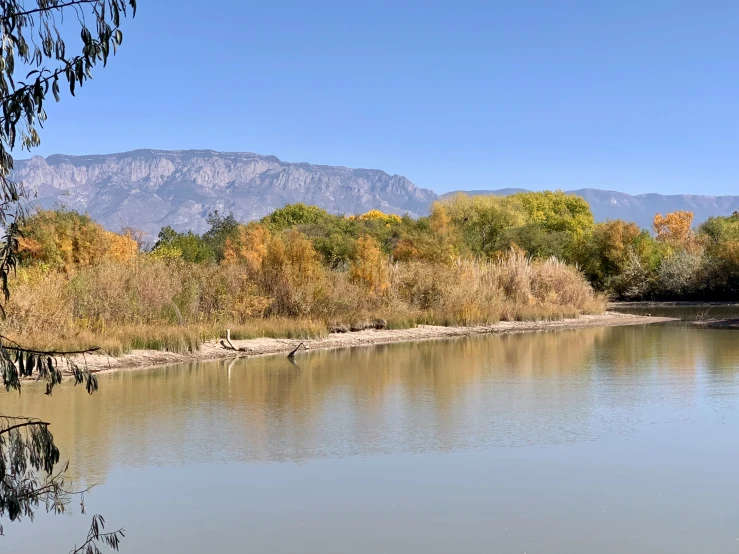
300	271
297	273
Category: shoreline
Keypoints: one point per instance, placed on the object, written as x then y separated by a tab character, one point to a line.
213	351
670	303
724	323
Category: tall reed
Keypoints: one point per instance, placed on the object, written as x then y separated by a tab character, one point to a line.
148	303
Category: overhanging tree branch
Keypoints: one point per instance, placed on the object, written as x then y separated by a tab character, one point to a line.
19	348
29	38
25	424
49	8
95	535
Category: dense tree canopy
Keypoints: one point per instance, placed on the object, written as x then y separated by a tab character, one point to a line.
617	256
62	239
674	228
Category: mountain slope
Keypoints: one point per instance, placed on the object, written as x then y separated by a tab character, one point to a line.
148	189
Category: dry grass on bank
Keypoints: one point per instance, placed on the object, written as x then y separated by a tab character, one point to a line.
174	306
181	339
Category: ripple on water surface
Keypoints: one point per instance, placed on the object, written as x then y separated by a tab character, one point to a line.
589	440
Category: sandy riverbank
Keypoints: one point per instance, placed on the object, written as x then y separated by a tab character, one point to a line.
141	359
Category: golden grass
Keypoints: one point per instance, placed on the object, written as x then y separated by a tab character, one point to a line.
181	339
159	305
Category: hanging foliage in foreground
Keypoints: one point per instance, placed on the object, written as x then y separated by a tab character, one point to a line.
35	62
17	362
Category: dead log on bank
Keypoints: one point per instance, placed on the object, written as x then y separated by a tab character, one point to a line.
228	345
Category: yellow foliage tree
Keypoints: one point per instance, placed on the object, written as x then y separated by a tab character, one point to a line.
370	267
66	240
302	259
249	246
166	252
615	237
674	228
440	220
121	247
292	273
377	215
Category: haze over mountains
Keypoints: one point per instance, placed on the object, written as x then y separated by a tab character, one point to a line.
148	189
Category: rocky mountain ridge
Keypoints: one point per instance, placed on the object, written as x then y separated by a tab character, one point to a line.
148	189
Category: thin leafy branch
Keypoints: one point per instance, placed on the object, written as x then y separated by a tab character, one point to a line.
35	63
44	365
51	5
18	348
96	536
29	476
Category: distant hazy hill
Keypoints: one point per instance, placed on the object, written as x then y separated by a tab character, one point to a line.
149	189
640	208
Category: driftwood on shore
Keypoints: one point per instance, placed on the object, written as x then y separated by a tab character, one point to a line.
726	323
139	359
359	326
228	345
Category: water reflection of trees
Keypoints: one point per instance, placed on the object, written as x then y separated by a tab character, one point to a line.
428	396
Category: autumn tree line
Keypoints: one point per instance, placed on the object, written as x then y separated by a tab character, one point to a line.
302	271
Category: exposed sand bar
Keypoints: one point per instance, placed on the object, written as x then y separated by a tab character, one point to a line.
141	359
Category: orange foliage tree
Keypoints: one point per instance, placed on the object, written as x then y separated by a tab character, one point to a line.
66	240
674	228
292	273
438	246
121	247
248	245
370	267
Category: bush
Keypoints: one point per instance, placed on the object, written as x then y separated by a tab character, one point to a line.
680	275
304	265
143	301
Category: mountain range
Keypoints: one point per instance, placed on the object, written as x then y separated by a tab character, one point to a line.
148	189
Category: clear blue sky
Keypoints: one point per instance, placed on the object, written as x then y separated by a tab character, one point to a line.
637	96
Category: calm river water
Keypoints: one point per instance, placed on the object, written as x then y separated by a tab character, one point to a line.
617	440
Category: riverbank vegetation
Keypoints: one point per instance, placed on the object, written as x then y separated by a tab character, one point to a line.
302	272
299	272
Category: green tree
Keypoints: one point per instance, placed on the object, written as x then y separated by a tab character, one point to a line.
537	241
63	239
221	229
606	251
482	220
294	214
335	248
718	230
556	211
187	246
35	62
542	223
720	236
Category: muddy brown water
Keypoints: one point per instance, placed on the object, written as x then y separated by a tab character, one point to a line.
601	440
